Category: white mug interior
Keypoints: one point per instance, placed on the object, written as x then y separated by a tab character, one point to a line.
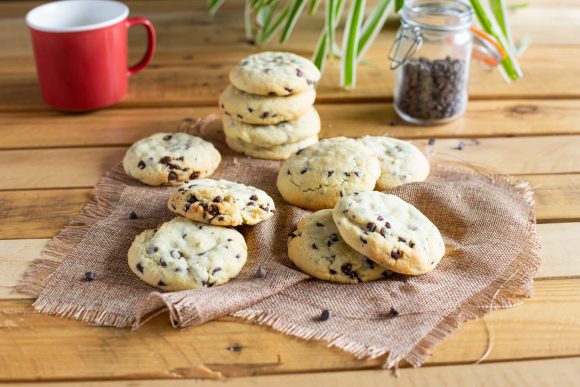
76	15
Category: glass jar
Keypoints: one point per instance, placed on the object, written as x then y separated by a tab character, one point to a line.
431	56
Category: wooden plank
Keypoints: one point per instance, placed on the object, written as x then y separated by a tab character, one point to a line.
83	167
114	127
43	213
531	373
195	54
40	347
560	248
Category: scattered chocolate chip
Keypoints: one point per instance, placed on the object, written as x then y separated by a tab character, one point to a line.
139	267
133	215
330	173
371	226
168	137
393	312
222	106
165	160
161	283
215	270
325	315
318	224
90	276
396	254
218	199
314	246
234	348
299	73
431	141
141	165
254	197
261	272
264	115
460	145
194	175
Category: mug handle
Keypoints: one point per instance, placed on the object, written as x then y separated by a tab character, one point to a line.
133	21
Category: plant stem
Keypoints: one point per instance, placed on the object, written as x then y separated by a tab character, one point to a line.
350	44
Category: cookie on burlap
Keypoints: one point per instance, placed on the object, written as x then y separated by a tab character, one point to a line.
318	250
183	254
170	159
221	203
282	133
274	73
390	231
318	176
264	110
275	152
401	161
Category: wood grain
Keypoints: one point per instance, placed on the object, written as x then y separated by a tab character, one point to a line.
40	347
530	373
83	167
109	127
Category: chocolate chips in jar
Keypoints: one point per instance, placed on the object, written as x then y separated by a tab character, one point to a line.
431	90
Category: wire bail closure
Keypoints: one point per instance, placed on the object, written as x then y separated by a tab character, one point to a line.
405	33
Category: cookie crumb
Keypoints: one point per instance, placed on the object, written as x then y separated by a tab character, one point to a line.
393	312
325	315
261	272
431	141
133	215
90	276
460	145
234	348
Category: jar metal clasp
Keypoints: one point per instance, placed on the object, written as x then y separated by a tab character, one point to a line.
397	54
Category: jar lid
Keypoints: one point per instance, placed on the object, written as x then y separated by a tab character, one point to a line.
439	15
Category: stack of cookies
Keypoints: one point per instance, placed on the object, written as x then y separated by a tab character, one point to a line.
268	107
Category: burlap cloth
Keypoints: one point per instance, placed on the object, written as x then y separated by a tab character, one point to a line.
487	222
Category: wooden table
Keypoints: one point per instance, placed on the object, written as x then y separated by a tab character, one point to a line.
49	161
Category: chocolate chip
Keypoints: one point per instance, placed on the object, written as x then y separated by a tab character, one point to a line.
181	158
222	106
460	145
162	262
411	244
299	73
357	174
393	312
318	224
250	109
238	256
332	271
161	283
309	82
363	240
245	62
347	174
191	199
346	268
385	273
396	254
240	116
333	237
288	172
213	210
261	272
221	218
139	267
379	218
299	151
402	240
314	246
387	225
289	90
175	254
172	176
325	315
141	165
173	166
330	173
254	197
133	215
194	175
264	115
302	172
234	348
371	226
168	137
384	231
152	249
271	93
370	264
215	270
165	160
218	199
431	141
90	276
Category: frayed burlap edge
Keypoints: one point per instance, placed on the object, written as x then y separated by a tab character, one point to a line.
505	292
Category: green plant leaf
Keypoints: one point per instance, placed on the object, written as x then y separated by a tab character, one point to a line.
350	43
214	5
329	23
273	26
399	4
248	25
321	52
314	4
500	13
295	12
338	11
510	64
373	25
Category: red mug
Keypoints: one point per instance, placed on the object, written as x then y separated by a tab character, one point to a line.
80	47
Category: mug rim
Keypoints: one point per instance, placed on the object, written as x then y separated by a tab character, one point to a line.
123	13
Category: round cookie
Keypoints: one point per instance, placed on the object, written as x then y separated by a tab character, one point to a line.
389	231
318	176
276	152
183	254
170	159
274	73
285	132
318	250
221	203
258	109
401	161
